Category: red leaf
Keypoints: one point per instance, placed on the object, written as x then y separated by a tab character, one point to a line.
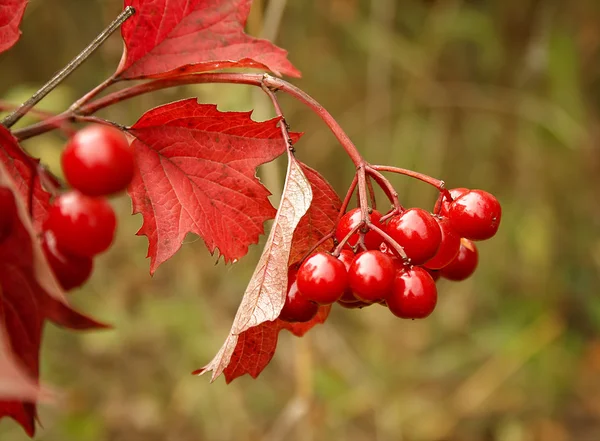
265	294
25	173
173	37
196	173
256	346
319	220
249	348
29	296
11	14
14	383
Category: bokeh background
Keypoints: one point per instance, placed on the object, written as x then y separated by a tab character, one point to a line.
502	95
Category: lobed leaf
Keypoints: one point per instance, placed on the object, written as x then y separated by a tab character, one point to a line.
167	38
11	14
196	174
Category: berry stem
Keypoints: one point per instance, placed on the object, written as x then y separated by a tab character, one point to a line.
437	183
346	200
372	199
20	111
97	120
338	249
282	122
390	191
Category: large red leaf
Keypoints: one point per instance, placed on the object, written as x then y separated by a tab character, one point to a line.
29	296
11	14
26	176
196	173
265	295
173	37
249	348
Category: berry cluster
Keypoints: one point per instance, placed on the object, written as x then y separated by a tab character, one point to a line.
97	162
396	259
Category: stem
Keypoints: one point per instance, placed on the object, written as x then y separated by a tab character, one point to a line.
20	111
390	191
437	183
303	97
282	123
372	199
346	201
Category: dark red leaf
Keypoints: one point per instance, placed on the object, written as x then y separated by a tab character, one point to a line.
25	173
250	347
173	37
29	296
196	173
11	14
256	346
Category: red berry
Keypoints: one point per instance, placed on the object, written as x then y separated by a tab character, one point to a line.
464	263
70	271
435	274
414	294
371	275
8	212
475	215
297	308
98	161
82	225
448	247
322	278
350	220
442	205
417	232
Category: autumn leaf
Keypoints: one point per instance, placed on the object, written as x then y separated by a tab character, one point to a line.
11	14
29	297
251	350
25	173
265	294
174	37
196	174
14	383
256	346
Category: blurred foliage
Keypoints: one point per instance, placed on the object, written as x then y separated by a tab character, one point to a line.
502	95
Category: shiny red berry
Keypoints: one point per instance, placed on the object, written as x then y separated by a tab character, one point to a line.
98	161
371	275
417	232
464	264
70	271
8	212
82	225
350	220
475	215
297	308
414	294
442	205
322	278
448	246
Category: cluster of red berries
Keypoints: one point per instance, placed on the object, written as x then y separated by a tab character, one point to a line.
97	162
400	267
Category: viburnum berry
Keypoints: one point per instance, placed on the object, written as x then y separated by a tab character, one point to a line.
322	278
371	275
475	215
414	294
350	220
82	225
448	246
464	264
8	212
417	232
98	161
296	308
442	205
70	271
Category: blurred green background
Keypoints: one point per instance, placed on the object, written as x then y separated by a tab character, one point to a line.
502	95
